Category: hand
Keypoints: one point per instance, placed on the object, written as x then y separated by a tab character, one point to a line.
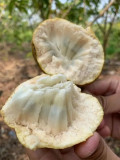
95	148
108	93
52	154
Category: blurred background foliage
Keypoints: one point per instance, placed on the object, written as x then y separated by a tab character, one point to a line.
18	19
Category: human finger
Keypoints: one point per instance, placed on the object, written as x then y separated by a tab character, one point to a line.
69	154
43	154
95	148
110	104
104	130
107	86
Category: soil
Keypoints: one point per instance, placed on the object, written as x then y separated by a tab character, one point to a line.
14	71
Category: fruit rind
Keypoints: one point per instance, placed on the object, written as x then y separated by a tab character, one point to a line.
73	73
32	137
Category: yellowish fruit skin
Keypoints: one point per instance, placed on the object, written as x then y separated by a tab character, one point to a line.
21	137
55	147
91	33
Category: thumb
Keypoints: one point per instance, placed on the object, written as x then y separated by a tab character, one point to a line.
95	148
111	104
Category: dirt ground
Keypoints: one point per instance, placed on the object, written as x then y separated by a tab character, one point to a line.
13	71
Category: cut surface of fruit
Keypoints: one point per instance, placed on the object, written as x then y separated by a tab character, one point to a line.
60	46
49	111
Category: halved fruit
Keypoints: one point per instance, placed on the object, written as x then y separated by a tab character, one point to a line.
49	111
60	46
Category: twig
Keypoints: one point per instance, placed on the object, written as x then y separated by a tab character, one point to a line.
85	15
102	12
50	6
69	9
107	33
111	23
105	21
84	8
100	27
